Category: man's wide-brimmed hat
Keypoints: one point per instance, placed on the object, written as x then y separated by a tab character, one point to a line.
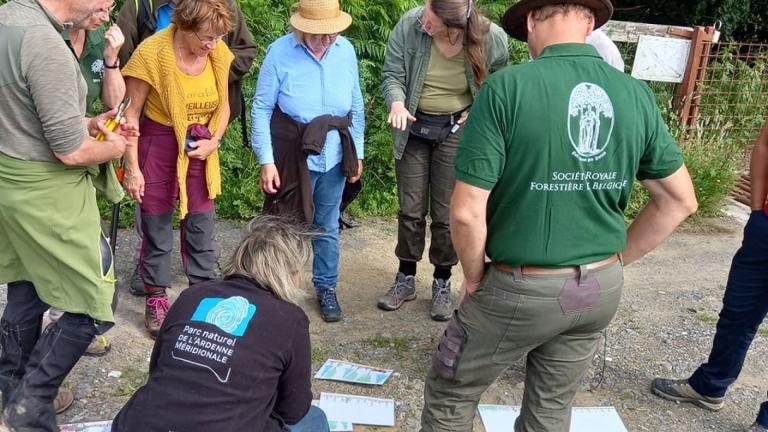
515	20
320	17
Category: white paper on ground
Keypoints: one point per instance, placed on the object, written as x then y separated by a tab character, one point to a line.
501	418
102	426
339	370
336	426
358	409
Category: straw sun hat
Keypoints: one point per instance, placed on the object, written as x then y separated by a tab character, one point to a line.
320	17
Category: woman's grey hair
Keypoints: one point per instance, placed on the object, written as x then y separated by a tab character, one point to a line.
273	251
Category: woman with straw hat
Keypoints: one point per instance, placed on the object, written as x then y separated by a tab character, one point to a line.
308	131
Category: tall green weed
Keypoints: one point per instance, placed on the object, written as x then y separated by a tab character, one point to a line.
711	158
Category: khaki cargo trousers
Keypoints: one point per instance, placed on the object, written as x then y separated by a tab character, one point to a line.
510	316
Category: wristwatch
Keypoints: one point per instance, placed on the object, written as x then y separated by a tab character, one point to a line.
114	66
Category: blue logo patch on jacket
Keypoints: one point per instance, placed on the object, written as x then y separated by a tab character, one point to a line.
232	314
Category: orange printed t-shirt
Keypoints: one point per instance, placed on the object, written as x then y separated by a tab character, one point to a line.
202	99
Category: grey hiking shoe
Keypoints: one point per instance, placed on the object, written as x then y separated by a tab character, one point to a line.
442	307
681	391
401	291
756	427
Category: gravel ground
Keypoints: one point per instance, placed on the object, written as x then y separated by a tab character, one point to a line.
664	327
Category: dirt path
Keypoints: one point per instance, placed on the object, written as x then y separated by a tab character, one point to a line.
664	327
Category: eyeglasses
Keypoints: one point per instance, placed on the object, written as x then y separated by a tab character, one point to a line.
425	26
209	39
104	13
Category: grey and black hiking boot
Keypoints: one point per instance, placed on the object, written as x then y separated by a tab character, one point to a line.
136	285
681	391
442	307
401	291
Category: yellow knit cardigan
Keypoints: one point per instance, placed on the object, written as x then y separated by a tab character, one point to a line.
154	61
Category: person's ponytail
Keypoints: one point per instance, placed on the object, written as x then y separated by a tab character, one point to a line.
474	41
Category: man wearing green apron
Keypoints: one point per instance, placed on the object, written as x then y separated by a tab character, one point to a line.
544	172
53	254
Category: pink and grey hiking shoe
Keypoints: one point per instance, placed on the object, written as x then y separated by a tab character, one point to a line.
155	311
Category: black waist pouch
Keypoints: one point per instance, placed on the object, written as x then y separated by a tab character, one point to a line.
434	127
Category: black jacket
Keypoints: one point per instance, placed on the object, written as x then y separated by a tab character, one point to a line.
230	356
291	143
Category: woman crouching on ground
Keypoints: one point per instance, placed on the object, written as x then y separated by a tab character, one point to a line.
234	355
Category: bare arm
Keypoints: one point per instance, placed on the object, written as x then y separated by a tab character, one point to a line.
93	152
137	90
469	231
672	201
759	169
113	85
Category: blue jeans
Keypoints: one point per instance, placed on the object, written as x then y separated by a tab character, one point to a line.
327	189
745	304
314	421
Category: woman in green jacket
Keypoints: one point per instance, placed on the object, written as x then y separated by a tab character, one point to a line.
437	57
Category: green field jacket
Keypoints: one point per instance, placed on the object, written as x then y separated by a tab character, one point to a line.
407	59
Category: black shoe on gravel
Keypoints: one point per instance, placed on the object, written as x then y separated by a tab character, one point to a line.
136	286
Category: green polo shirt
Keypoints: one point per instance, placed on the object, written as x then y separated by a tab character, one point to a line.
558	142
92	64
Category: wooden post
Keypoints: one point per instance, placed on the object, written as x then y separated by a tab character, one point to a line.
624	31
706	49
686	101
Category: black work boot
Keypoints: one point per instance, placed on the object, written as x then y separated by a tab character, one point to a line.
61	345
17	342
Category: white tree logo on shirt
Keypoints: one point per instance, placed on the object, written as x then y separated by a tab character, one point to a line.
97	67
229	313
590	121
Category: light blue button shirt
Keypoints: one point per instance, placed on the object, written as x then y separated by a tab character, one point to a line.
305	88
164	15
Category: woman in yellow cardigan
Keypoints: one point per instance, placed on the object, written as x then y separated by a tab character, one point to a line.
177	80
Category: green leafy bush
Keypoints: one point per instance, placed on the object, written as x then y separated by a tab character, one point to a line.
711	159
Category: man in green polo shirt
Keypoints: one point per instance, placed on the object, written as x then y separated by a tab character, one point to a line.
544	172
97	49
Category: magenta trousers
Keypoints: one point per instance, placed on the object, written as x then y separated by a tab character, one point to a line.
158	151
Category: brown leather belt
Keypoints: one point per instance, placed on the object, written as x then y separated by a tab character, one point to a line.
533	270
